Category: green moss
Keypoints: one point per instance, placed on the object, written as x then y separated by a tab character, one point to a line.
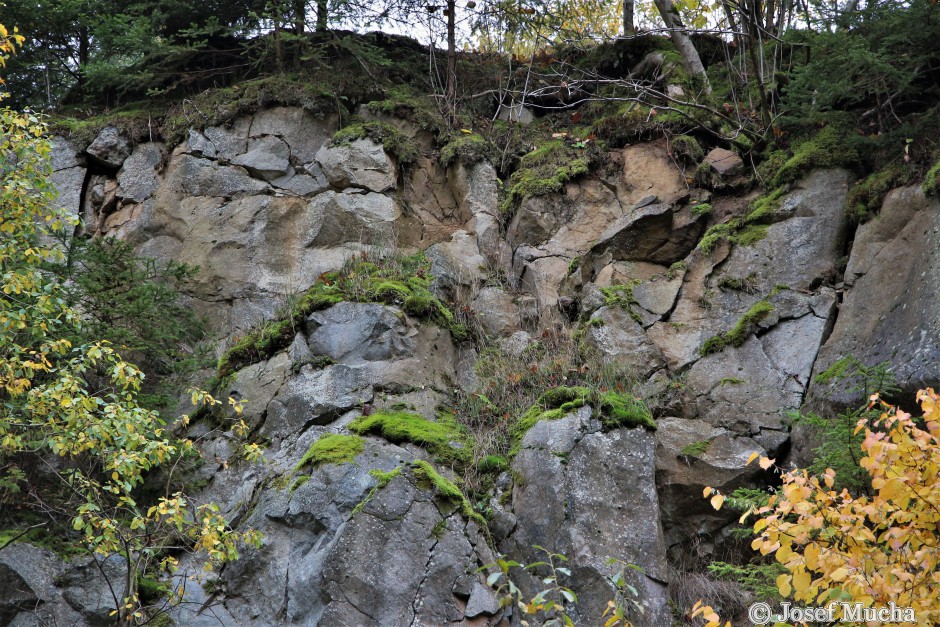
445	439
551	405
750	234
468	149
743	328
139	122
574	264
622	296
546	170
731	381
333	448
686	150
395	142
716	234
734	232
397	280
701	209
676	268
493	464
828	148
931	184
298	483
403	103
695	449
151	590
763	209
425	473
61	544
624	410
384	478
865	197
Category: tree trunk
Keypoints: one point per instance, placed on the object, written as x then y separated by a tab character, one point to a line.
451	56
680	39
278	48
628	20
322	14
300	16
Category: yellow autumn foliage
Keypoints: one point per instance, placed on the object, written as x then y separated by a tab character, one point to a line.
873	549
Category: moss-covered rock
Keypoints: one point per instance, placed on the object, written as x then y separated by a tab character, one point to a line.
468	149
333	448
546	170
395	142
445	439
865	197
396	280
743	329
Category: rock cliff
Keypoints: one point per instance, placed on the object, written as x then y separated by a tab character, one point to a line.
722	330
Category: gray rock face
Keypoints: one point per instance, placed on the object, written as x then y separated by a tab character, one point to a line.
891	310
267	158
590	496
496	312
355	332
40	589
264	206
457	266
377	566
618	337
680	478
68	176
361	163
137	178
109	148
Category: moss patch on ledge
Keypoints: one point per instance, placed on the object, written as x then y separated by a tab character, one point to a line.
735	232
403	281
546	170
743	329
468	149
444	439
395	142
332	448
615	410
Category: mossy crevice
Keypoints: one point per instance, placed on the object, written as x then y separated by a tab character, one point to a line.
621	295
615	410
428	477
743	329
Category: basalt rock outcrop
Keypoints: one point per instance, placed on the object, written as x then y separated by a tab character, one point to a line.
724	338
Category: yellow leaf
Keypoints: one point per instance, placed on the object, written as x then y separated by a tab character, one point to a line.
708	490
801	581
783	585
766	462
752	457
717	501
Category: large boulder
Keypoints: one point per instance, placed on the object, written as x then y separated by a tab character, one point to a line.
590	496
341	549
361	163
891	307
110	148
